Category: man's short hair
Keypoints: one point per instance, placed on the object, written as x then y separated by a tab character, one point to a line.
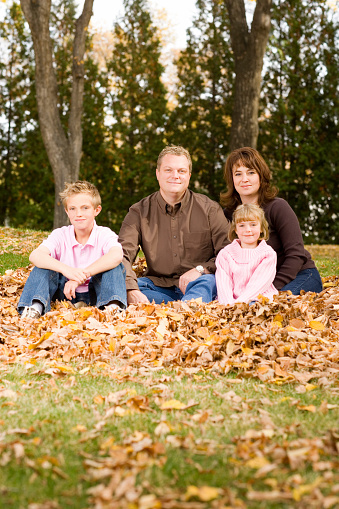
175	150
80	186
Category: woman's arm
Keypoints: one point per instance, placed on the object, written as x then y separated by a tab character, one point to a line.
286	237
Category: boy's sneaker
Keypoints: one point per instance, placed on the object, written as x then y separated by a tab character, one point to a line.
30	312
80	304
113	310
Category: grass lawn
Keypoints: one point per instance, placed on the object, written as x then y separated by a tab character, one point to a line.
167	407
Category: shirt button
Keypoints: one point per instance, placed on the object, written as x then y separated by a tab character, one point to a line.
175	254
174	236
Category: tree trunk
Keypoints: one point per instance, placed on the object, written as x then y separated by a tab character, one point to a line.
63	150
249	47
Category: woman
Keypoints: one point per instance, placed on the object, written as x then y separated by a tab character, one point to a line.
248	180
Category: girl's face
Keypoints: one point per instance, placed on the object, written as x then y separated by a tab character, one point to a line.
247	183
248	233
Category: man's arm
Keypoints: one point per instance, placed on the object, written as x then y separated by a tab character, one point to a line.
187	277
130	239
219	227
42	258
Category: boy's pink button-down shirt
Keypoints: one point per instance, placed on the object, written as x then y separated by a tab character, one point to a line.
64	247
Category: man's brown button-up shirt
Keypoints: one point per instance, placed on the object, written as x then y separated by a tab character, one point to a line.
173	239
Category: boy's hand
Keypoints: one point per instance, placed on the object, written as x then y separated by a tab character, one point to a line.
69	289
78	275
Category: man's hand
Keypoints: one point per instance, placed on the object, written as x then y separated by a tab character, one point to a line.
190	275
69	289
74	274
136	296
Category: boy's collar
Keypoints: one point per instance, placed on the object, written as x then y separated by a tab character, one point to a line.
91	238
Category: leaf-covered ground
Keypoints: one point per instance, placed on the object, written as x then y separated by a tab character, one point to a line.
291	339
294	340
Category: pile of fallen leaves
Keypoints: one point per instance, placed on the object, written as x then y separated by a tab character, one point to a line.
294	338
19	242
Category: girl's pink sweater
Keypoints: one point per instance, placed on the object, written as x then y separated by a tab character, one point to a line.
243	274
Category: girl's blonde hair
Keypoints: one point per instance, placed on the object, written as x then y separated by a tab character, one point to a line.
80	186
249	212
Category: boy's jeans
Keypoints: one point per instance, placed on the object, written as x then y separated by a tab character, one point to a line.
47	286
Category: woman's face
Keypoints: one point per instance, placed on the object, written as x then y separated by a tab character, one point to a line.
247	183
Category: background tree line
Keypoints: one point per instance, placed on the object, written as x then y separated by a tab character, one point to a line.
127	117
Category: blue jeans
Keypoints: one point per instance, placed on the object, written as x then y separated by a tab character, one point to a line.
204	287
47	286
308	280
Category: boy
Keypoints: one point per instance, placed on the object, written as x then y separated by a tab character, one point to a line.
80	262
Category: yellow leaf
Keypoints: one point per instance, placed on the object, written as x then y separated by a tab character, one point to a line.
310	387
314	324
173	404
62	368
307	408
148	502
43	337
247	351
80	428
112	344
202	332
120	412
98	400
305	488
204	493
84	313
257	462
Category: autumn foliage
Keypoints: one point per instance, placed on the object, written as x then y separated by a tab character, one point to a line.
291	339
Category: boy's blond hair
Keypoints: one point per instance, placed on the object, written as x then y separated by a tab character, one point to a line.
249	212
175	150
80	186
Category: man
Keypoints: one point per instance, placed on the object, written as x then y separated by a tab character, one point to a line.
180	233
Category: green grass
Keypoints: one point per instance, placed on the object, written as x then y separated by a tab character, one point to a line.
10	261
59	422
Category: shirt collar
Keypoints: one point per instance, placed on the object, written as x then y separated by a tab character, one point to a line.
182	204
91	240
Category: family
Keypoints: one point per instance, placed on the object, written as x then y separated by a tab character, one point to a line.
193	247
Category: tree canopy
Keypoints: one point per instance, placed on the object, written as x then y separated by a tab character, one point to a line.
111	115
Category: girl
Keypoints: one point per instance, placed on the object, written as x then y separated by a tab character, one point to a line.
248	180
246	268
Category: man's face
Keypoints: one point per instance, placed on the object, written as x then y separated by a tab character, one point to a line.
173	175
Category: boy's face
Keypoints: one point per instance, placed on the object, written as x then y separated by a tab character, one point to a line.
81	212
